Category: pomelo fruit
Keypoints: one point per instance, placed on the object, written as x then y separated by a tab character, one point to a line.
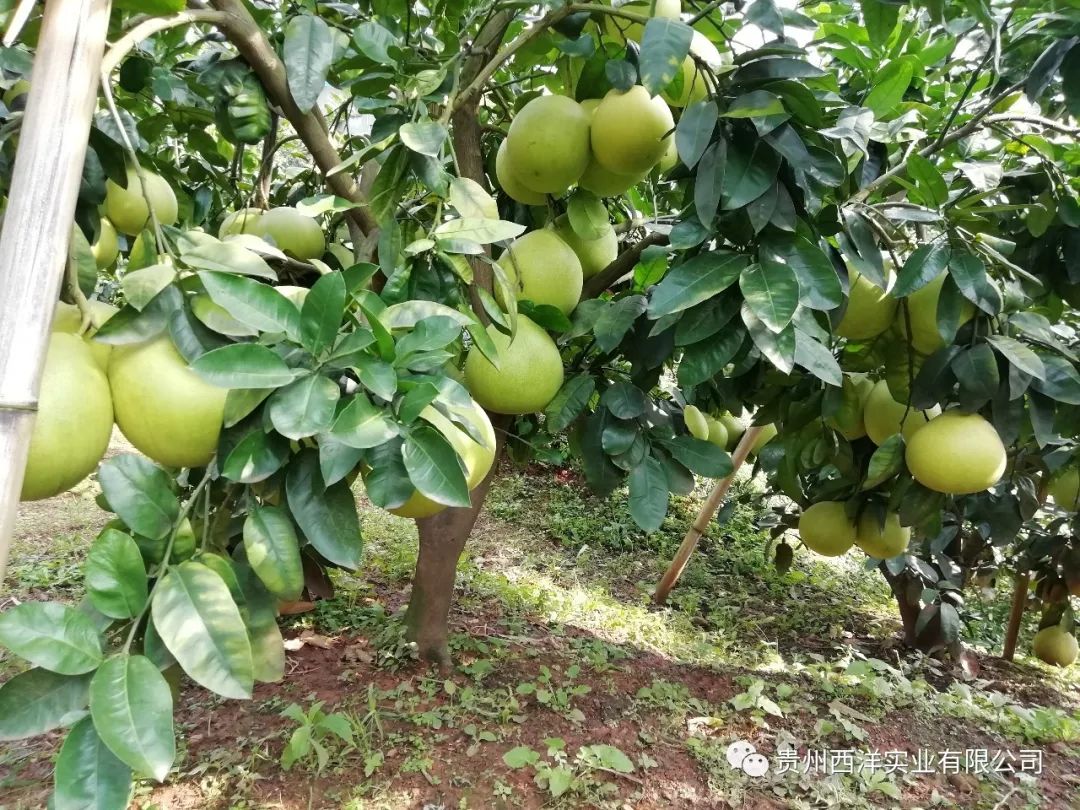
508	180
529	375
870	310
477	457
1064	488
544	269
548	144
597	179
630	131
15	96
768	433
594	254
670	159
956	453
850	421
735	426
695	86
67	318
883	416
73	423
246	220
882	543
621	29
127	208
1052	645
922	310
294	233
696	422
826	528
107	247
162	406
717	432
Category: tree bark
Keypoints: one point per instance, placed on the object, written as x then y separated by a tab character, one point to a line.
909	609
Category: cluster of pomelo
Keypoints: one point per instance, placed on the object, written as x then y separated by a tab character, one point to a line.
724	429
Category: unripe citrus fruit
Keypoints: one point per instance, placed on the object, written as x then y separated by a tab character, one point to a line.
529	375
73	423
246	220
548	144
107	247
717	432
508	180
882	543
162	406
597	179
594	254
1052	645
477	457
696	422
870	310
1064	488
735	426
621	29
922	308
630	131
768	433
542	268
826	528
670	159
883	416
67	318
694	84
127	207
294	233
14	96
956	453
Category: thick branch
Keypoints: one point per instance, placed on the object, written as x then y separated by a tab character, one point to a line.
622	265
147	28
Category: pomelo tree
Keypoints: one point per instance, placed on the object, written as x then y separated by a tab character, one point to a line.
387	242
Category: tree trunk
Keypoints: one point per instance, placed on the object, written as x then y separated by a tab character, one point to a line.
442	539
909	607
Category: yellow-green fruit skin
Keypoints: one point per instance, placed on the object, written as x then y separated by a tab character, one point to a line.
717	432
768	433
630	131
694	87
883	416
126	208
478	457
529	375
922	310
670	159
162	406
1064	488
826	529
67	318
870	310
594	254
544	269
735	427
1052	645
882	543
548	144
596	178
294	233
956	453
246	220
696	422
107	247
73	423
511	184
622	29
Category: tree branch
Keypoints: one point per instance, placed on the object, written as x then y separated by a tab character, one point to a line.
622	265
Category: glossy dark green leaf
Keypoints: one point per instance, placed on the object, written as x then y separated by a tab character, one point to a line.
817	359
1062	381
52	636
362	425
602	475
754	104
928	180
1046	66
619	436
977	372
772	293
322	313
570	402
880	19
695	281
700	457
748	173
115	575
326	515
256	457
969	273
387	481
924	264
88	776
254	304
308	51
778	347
776	67
244	365
886	462
615	321
890	84
377	376
694	131
140	492
819	285
648	494
664	46
200	623
38	700
704	360
132	708
273	551
304	407
434	467
765	15
625	400
1018	355
709	183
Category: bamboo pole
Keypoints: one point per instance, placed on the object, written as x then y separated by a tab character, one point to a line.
701	522
38	222
1016	614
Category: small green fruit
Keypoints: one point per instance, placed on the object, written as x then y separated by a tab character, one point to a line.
696	422
1064	488
826	529
882	542
594	254
127	207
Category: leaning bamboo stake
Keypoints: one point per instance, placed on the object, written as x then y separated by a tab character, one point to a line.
701	522
38	221
1016	614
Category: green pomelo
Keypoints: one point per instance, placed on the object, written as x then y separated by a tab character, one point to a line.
67	318
544	269
883	416
529	375
735	426
768	433
1054	646
696	422
922	309
127	208
594	254
717	432
826	529
508	180
630	131
597	179
162	406
882	543
621	29
1064	488
107	247
73	423
695	86
548	144
246	220
850	421
294	233
956	453
870	310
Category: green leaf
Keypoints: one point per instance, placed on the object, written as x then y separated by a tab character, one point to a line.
244	365
52	636
471	200
434	467
387	482
304	407
779	67
308	52
326	515
694	131
377	377
928	180
1062	382
765	15
256	457
132	708
778	347
700	457
362	425
322	313
520	756
375	42
1018	355
81	254
708	185
267	646
425	137
142	286
115	575
587	214
273	551
254	304
705	359
37	701
625	400
481	231
969	273
664	47
337	460
886	462
227	257
569	403
817	359
140	492
200	623
880	19
616	319
755	104
649	494
890	84
695	281
819	285
747	175
924	264
977	372
772	293
88	776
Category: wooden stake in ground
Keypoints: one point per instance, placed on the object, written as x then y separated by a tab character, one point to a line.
38	222
701	522
1016	614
